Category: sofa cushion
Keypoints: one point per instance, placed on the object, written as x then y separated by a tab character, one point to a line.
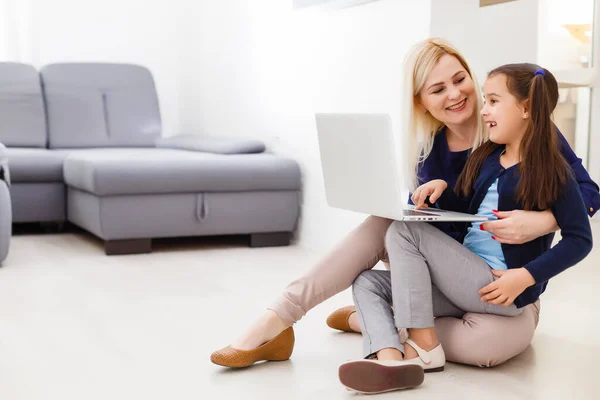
100	105
212	144
21	106
35	165
138	171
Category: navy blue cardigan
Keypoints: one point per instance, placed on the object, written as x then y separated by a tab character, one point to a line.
447	165
536	256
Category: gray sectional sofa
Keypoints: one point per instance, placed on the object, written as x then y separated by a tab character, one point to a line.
84	144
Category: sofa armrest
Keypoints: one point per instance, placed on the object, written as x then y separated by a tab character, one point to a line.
211	144
4	171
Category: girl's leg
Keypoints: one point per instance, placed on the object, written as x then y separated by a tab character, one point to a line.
359	251
473	337
353	319
422	256
372	292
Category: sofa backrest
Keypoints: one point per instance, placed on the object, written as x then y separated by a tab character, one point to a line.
22	116
100	105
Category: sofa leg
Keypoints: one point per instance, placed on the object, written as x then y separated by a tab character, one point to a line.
270	239
127	246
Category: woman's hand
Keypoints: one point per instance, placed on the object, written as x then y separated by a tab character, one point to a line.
432	189
505	290
518	226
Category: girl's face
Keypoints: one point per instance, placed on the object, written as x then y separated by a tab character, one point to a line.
505	116
449	93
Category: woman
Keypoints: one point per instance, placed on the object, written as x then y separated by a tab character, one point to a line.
441	114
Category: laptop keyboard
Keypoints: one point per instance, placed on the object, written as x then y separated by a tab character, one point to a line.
416	213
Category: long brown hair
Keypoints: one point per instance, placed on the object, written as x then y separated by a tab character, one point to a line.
543	168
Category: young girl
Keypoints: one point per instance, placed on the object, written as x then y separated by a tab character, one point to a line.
521	167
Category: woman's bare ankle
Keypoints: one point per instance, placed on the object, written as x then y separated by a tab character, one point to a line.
354	322
274	319
263	329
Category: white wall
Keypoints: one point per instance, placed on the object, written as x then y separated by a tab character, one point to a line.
524	31
131	31
594	150
262	69
488	36
557	49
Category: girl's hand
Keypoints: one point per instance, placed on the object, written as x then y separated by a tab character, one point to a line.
432	189
505	290
518	226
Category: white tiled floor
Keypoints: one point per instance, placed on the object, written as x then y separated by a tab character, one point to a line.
75	324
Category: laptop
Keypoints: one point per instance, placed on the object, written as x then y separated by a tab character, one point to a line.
362	172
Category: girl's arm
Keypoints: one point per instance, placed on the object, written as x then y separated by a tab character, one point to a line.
576	243
588	188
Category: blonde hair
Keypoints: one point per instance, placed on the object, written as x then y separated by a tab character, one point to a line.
421	128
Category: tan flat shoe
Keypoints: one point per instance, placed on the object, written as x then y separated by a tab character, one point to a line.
339	319
279	348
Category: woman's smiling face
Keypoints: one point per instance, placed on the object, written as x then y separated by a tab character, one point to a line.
449	92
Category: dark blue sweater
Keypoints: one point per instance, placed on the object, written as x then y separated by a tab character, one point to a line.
536	256
447	165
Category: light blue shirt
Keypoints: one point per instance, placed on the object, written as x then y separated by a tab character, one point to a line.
481	242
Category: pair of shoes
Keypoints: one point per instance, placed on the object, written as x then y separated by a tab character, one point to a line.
374	376
279	348
339	319
431	361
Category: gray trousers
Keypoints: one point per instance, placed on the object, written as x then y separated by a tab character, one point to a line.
431	275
